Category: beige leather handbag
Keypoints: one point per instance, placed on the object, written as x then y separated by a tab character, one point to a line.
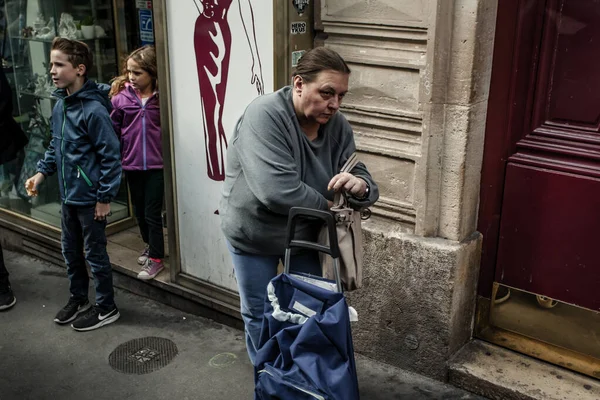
349	234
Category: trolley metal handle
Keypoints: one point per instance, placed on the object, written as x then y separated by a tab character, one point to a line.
333	249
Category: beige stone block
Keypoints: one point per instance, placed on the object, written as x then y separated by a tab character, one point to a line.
389	12
386	134
447	188
395	177
380	88
459	52
428	171
378	45
461	169
434	77
471	51
391	215
416	307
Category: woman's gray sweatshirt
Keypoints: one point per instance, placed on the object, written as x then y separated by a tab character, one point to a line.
272	166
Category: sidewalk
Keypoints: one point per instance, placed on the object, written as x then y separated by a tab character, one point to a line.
41	360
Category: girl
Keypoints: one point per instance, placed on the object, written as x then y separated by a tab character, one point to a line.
136	119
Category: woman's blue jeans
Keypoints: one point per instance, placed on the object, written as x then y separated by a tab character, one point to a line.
253	273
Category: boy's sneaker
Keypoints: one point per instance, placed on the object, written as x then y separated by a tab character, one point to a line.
7	298
143	258
95	318
151	269
71	310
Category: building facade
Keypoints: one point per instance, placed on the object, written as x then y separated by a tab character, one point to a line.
477	118
418	103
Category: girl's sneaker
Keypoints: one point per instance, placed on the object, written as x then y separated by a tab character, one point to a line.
151	269
143	258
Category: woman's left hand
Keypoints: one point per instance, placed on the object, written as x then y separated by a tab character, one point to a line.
348	182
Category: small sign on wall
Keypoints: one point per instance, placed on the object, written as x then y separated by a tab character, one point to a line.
298	28
296	57
146	26
143	4
300	5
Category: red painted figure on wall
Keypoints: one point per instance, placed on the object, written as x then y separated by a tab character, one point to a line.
212	43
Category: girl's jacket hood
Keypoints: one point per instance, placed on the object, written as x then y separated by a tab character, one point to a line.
138	127
84	148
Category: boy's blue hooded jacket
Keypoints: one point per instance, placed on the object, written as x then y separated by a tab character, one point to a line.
84	148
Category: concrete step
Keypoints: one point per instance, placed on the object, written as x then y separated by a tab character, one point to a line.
499	373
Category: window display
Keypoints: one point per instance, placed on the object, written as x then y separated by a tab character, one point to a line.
27	28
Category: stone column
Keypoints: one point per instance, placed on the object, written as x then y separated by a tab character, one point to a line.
417	103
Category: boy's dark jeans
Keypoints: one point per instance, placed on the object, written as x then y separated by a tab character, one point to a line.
147	193
4	283
81	232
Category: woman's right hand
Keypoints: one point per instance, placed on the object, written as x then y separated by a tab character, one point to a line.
32	184
351	184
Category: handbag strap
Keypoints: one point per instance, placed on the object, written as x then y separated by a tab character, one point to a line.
350	163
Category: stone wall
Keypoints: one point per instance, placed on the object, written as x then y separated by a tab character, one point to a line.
417	102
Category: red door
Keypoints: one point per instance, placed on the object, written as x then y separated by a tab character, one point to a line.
540	197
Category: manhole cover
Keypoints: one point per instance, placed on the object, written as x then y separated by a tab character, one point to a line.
142	356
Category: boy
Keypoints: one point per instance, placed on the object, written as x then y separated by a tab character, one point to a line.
85	151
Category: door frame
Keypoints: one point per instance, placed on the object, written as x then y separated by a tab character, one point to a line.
519	29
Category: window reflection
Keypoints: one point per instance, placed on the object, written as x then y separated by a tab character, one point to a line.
26	31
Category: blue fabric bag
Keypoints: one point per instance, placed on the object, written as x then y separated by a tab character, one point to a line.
305	349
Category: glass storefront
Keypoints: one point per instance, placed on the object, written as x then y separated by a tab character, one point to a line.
27	28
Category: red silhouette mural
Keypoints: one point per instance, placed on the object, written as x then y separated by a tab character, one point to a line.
212	43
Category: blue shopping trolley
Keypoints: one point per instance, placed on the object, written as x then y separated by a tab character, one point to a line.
305	349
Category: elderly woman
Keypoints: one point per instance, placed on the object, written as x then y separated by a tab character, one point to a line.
287	150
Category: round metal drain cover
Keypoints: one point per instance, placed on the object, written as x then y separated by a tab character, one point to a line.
142	356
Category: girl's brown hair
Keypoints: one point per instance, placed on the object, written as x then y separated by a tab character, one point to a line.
317	60
145	57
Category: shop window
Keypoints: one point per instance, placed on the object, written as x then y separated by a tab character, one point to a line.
27	28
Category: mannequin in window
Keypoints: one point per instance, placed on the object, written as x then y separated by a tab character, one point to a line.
212	43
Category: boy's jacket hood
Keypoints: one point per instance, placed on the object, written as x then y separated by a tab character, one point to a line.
90	90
